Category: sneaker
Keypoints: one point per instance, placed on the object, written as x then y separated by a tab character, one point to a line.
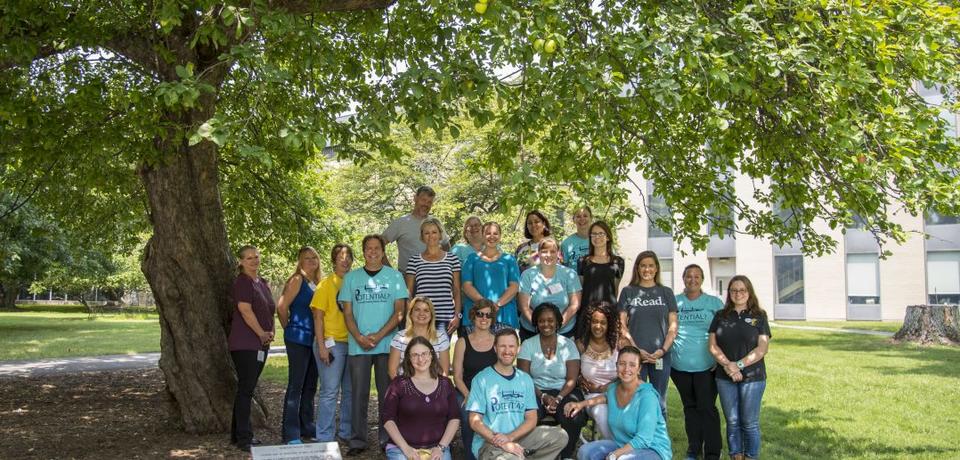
293	442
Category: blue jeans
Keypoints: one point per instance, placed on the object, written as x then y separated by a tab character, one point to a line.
298	418
333	380
659	380
741	408
466	433
598	450
394	453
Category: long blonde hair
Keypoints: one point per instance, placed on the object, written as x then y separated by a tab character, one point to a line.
432	329
317	274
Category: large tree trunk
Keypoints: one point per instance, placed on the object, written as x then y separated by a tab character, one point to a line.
931	324
8	295
189	267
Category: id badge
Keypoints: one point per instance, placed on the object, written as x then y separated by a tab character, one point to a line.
554	289
329	342
261	356
659	364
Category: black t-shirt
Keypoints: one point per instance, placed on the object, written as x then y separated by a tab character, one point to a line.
737	335
599	280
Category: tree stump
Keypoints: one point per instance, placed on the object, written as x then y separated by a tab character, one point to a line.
927	324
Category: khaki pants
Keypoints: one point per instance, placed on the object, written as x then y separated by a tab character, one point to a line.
546	442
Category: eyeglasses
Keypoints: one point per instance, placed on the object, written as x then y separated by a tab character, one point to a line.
421	355
737	291
483	314
597	234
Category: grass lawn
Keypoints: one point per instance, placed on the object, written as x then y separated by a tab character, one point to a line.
829	395
54	331
884	326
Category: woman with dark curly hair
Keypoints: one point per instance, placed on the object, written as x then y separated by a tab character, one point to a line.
598	345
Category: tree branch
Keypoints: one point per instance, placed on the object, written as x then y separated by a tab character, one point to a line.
311	6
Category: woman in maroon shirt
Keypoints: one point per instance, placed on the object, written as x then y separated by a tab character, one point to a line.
251	331
420	411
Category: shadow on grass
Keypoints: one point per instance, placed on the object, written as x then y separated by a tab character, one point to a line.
807	434
932	360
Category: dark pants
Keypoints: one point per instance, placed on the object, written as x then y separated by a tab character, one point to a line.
659	379
698	392
302	374
359	367
466	433
571	425
248	372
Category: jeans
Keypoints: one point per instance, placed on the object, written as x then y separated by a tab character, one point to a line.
298	418
741	408
248	372
466	433
394	453
571	426
334	381
659	379
598	450
698	392
359	366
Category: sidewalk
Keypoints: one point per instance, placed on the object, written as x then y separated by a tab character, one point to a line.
59	366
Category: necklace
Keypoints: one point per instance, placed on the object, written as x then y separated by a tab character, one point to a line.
598	355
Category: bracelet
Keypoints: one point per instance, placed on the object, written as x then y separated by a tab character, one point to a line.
442	447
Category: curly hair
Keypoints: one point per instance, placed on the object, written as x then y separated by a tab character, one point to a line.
613	323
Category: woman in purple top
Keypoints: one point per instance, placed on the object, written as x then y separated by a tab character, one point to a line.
251	331
420	410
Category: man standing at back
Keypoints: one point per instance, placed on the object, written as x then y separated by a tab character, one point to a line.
405	230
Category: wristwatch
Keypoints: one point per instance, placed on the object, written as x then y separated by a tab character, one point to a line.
443	447
740	364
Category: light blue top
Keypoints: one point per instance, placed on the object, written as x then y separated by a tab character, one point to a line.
555	290
371	299
690	352
491	279
573	248
462	251
548	374
503	401
640	423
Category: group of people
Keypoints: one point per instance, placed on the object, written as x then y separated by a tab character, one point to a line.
529	367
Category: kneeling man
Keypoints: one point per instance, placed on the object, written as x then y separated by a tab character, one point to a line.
503	410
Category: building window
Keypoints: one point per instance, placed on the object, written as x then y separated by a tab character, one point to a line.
666	272
657	210
789	279
934	218
943	277
863	279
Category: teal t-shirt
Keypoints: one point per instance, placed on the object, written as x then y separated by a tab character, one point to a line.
690	352
372	298
462	251
555	290
548	374
491	280
640	423
573	248
502	401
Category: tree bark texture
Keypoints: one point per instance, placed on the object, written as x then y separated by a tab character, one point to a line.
189	267
8	295
928	324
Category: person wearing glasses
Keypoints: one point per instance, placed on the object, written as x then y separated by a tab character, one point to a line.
473	353
739	338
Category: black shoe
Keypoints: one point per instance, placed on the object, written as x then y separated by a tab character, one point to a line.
354	451
255	442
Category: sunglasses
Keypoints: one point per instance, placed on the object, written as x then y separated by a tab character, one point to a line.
483	315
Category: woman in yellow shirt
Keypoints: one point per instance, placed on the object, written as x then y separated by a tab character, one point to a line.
330	348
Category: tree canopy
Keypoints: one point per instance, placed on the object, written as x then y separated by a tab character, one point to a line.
184	116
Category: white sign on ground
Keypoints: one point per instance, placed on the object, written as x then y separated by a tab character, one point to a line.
314	451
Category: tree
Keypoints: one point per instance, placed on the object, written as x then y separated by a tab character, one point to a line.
29	244
173	103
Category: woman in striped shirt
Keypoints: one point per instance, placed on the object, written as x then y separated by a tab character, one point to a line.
435	274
